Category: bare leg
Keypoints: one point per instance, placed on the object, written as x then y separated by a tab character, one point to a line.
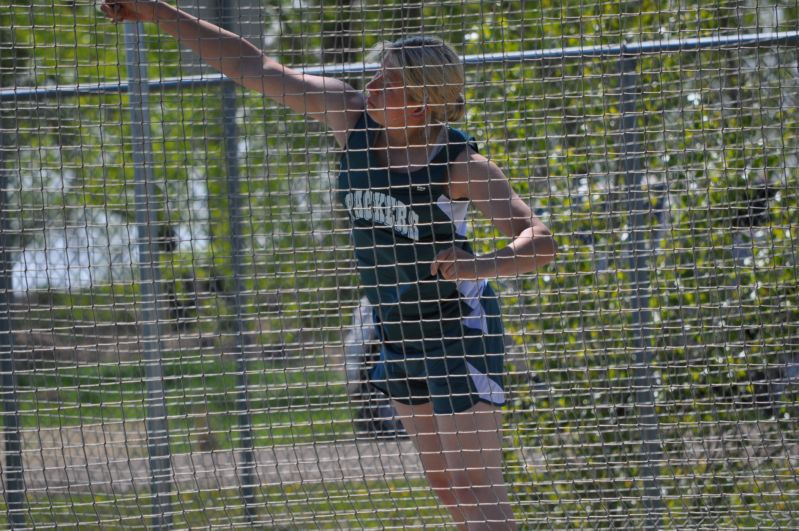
420	424
472	444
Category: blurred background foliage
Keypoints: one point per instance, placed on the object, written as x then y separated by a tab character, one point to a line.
711	217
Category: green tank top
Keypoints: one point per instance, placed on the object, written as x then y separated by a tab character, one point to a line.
400	222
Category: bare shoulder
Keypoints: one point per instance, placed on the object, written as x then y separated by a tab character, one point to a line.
471	170
341	124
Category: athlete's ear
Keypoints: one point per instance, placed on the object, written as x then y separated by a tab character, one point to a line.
419	111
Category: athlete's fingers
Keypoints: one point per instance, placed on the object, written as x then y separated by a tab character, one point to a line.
455	263
441	260
113	11
107	11
435	265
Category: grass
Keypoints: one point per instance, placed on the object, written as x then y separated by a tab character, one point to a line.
286	405
376	505
299	405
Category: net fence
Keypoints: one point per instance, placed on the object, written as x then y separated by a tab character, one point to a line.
184	341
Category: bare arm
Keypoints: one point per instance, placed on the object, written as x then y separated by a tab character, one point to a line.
475	178
328	100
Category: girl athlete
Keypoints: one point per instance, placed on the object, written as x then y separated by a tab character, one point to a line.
406	181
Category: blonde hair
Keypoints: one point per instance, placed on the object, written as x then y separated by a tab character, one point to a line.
431	71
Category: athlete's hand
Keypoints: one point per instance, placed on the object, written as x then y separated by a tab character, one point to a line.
129	10
454	263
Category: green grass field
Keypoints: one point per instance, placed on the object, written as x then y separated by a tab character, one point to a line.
287	405
341	506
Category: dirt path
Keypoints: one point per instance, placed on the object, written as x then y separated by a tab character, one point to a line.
112	458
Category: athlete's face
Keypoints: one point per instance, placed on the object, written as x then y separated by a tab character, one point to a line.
388	102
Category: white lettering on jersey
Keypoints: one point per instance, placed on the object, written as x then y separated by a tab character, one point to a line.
384	209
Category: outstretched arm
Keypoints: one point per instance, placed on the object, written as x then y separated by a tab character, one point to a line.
328	100
474	177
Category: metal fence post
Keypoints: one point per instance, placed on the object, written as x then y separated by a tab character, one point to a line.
246	468
13	467
147	224
638	261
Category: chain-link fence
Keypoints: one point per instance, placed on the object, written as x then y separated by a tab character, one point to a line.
184	342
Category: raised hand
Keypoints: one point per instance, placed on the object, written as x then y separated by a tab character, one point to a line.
129	10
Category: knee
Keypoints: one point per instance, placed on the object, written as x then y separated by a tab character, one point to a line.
472	487
439	480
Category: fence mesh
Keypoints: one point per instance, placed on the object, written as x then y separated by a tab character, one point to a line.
652	369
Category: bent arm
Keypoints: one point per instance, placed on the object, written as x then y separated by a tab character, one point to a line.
328	100
532	245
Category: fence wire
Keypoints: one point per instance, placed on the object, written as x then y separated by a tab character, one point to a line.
652	369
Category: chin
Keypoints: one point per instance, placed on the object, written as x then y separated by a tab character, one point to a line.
378	115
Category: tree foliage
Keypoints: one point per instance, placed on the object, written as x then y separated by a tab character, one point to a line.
709	212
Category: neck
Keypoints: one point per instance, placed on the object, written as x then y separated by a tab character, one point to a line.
412	135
